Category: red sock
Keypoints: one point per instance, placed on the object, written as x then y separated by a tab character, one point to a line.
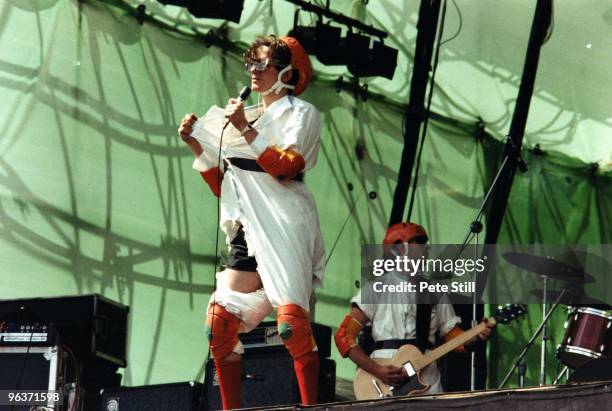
230	375
307	372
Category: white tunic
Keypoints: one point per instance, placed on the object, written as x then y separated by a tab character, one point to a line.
280	219
396	320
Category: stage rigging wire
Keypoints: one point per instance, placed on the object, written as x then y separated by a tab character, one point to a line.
344	226
551	27
454	36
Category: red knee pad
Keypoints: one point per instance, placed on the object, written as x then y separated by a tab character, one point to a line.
223	331
294	329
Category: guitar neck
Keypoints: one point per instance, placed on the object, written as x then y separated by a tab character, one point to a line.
444	349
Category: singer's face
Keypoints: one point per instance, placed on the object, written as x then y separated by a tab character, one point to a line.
263	80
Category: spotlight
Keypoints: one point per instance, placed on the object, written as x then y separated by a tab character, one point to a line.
357	46
378	61
323	41
331	47
213	9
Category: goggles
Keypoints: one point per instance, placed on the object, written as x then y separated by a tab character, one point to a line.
257	65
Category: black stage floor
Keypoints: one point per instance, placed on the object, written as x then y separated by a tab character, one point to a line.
595	396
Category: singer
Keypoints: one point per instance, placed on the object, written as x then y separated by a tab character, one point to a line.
276	253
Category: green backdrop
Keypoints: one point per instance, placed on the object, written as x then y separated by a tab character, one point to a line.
97	194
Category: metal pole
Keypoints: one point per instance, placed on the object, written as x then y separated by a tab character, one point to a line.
539	30
522	370
544	335
565	371
426	36
473	353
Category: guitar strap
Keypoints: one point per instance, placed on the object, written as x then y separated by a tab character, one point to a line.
423	320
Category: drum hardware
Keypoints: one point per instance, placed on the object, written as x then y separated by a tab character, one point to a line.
550	268
544	335
531	341
565	371
522	370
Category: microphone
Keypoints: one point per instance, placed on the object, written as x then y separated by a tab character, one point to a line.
244	94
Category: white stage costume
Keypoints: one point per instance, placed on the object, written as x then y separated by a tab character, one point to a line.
279	218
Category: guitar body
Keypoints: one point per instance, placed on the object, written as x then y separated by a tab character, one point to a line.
365	384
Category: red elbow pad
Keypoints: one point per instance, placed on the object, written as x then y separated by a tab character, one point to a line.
281	164
346	336
213	177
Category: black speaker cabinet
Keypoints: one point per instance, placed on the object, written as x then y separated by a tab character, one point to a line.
34	369
182	396
269	379
91	325
265	338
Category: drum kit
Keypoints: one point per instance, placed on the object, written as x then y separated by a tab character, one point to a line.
587	336
588	328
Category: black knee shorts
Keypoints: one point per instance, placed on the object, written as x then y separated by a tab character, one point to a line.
238	257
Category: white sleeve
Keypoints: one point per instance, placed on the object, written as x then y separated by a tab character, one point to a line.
368	309
207	131
447	319
205	162
260	143
301	133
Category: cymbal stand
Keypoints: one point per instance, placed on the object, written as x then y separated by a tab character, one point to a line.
565	371
531	340
544	334
522	369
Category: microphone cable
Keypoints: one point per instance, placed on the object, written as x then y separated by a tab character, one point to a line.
214	289
244	94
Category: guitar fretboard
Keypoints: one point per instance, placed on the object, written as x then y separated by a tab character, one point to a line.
449	346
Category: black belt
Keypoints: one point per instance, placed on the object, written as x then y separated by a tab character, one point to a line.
395	344
251	165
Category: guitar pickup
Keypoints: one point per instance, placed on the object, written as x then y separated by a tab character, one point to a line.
409	369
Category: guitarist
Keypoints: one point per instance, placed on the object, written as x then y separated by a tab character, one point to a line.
397	324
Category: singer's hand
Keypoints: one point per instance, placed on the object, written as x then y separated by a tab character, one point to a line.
186	127
234	112
185	130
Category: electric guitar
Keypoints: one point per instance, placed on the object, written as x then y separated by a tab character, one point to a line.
409	357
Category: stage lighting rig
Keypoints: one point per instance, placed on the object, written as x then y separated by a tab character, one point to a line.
380	60
325	41
213	9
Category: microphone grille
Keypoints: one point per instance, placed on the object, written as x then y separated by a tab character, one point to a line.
245	93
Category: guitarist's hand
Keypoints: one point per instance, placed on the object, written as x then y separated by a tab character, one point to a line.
486	333
391	375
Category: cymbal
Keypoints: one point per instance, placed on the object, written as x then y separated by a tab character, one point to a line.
581	300
548	266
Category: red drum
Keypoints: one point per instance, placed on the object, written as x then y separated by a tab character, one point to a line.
588	335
